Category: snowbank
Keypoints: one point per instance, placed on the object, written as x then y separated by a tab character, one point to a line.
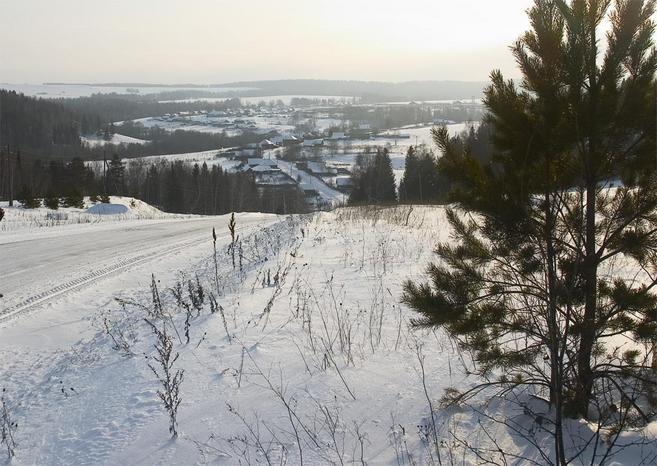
117	139
18	220
108	209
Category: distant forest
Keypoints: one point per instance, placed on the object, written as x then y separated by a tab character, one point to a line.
40	128
51	129
369	91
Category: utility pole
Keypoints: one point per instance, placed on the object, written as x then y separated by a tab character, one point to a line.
3	173
12	167
7	169
105	174
4	168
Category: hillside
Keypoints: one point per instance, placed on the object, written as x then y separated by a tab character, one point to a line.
368	90
38	125
307	356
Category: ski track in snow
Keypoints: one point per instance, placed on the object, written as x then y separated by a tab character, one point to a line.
62	288
20	271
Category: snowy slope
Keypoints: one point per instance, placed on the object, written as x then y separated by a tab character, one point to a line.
117	139
312	357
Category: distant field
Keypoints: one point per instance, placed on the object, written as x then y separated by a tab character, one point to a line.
72	91
286	99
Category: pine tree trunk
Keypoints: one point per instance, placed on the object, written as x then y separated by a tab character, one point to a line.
652	389
584	386
556	382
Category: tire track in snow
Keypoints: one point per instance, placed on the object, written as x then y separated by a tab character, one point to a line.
96	275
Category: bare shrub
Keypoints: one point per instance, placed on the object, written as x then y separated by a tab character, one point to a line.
7	428
121	341
169	377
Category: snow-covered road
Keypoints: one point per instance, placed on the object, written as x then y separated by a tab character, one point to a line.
308	181
35	269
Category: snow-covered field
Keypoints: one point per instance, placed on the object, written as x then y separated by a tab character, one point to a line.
208	156
117	139
206	124
286	99
421	135
308	358
54	91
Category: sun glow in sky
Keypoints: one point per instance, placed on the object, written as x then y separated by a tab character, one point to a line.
214	41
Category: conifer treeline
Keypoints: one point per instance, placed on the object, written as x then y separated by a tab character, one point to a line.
122	107
173	186
423	181
374	180
45	129
36	123
206	190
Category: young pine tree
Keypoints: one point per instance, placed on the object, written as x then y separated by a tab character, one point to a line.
420	182
408	189
116	176
27	199
51	201
553	264
374	180
384	178
74	199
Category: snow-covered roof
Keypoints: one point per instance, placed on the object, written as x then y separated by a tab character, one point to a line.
264	168
276	178
248	152
261	162
343	181
313	142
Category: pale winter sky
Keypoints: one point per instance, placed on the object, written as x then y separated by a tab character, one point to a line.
215	41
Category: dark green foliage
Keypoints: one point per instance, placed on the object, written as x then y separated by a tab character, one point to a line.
374	180
183	188
51	201
52	129
171	186
74	199
116	176
100	110
27	199
534	274
28	123
421	181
